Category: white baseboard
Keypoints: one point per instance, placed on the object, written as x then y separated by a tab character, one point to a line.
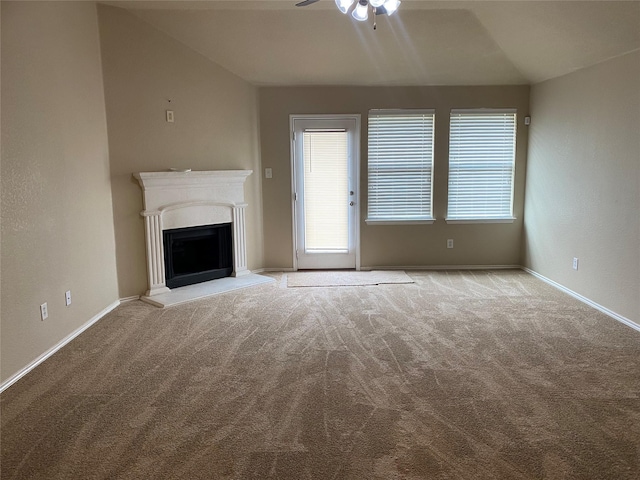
411	267
21	373
445	267
583	299
130	299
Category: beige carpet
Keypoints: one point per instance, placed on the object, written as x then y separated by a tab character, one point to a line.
462	376
338	278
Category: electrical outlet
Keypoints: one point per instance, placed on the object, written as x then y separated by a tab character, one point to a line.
450	243
268	173
67	298
170	116
44	311
575	263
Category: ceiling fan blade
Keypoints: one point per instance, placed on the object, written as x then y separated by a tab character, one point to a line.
306	2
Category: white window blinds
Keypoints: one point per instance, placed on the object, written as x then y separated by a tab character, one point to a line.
326	190
400	165
481	164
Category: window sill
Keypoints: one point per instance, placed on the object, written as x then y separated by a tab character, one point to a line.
424	221
480	220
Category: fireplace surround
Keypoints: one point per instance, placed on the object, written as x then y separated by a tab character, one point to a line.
178	200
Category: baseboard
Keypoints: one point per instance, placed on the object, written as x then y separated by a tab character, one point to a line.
410	267
445	267
583	299
21	373
130	299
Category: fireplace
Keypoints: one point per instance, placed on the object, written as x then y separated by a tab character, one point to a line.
182	200
197	254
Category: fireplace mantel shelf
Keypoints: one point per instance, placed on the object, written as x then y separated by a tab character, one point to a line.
149	180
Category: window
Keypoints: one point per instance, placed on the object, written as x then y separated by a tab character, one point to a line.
326	190
481	165
400	166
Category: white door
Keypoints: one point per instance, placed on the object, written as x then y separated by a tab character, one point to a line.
325	153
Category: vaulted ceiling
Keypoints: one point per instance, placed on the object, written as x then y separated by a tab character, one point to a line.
272	42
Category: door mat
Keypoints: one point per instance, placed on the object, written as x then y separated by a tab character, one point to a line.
345	278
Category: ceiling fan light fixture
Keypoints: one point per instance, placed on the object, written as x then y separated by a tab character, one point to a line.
391	6
344	5
361	12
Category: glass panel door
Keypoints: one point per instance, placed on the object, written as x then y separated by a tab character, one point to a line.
325	191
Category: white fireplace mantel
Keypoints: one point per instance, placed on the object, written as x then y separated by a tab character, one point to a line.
189	199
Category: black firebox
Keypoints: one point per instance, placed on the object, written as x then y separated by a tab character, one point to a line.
197	254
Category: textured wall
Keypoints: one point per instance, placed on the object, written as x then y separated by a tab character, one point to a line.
583	183
216	128
57	224
391	245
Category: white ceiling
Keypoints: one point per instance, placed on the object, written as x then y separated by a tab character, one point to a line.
271	42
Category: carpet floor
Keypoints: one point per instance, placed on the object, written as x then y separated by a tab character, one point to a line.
460	375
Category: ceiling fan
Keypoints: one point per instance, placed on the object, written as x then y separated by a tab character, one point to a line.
361	10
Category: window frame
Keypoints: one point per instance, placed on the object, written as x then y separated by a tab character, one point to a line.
396	220
506	218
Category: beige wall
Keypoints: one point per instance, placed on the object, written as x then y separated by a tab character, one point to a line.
216	128
412	245
57	227
583	183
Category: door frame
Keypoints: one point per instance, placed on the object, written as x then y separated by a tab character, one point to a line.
356	164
